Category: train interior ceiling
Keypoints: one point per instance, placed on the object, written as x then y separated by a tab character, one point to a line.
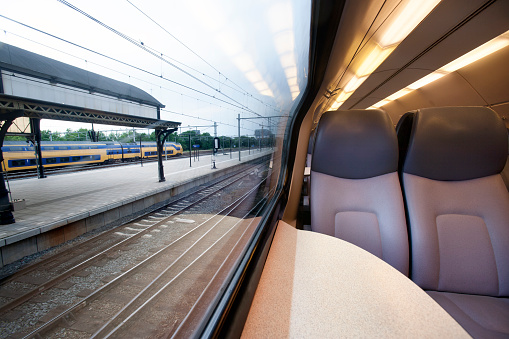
398	57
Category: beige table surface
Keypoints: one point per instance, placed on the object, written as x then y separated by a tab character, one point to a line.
317	286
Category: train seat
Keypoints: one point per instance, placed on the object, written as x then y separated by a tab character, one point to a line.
458	213
505	171
355	191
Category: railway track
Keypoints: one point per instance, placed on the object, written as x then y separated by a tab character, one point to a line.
103	259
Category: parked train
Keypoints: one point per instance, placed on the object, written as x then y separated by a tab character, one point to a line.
21	156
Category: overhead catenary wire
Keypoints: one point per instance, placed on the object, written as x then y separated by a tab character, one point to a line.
157	55
200	57
121	62
126	64
100	95
195	70
133	77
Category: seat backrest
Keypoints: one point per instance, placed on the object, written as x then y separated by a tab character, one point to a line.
355	190
457	203
505	171
310	148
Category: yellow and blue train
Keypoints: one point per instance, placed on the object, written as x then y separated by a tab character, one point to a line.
21	156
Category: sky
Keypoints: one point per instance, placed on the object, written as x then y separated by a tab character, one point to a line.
206	61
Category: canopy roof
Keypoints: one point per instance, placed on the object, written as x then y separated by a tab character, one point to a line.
21	61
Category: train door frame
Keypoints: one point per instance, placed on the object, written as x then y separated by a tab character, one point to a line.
110	154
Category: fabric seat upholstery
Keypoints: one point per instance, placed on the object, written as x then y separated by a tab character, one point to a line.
505	171
355	190
458	213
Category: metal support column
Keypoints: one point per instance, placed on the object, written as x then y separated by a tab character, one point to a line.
160	139
35	126
261	140
239	136
160	142
190	164
6	216
141	153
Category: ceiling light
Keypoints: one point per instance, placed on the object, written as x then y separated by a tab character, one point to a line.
354	83
399	94
343	96
426	80
405	20
381	103
373	60
340	100
336	105
478	53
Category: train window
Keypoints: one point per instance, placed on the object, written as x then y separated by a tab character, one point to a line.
16	148
259	53
33	162
18	163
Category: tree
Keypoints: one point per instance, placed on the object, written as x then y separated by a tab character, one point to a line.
14	138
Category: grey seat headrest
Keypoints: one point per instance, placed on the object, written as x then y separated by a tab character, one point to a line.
456	143
355	144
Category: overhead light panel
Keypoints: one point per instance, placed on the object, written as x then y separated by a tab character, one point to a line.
336	105
478	53
397	26
404	22
381	103
354	83
373	60
426	80
399	94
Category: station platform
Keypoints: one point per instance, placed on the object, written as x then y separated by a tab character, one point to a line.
62	207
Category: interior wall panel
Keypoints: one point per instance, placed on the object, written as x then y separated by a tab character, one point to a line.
490	76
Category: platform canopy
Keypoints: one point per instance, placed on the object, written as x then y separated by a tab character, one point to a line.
35	86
